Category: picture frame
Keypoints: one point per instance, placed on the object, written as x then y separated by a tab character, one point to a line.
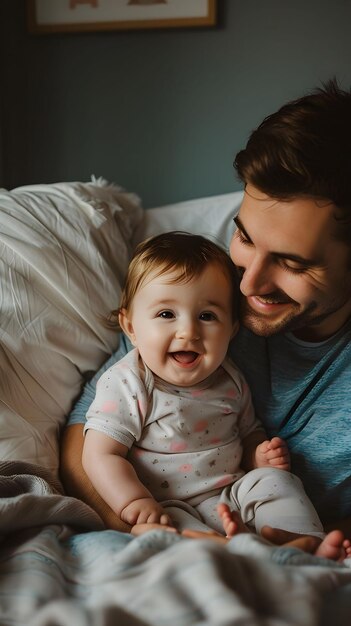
54	16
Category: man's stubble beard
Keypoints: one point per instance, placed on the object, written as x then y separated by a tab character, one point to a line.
293	321
260	325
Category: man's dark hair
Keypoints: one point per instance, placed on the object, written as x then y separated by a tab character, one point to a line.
304	149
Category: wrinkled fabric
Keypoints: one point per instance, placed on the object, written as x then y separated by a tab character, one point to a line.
63	570
64	251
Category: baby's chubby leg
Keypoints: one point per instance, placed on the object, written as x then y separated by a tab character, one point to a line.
334	546
275	498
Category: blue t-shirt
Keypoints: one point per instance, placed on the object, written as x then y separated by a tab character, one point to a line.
300	392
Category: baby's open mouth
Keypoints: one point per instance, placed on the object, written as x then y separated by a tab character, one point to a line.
185	356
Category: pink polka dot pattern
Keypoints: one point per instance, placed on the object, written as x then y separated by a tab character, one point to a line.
109	406
178	446
186	467
231	393
197	393
200	426
226	480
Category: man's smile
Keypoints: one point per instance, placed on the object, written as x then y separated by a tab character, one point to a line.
260	303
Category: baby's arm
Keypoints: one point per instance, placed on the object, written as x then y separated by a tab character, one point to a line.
262	452
104	461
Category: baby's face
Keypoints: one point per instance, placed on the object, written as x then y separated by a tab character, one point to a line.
182	330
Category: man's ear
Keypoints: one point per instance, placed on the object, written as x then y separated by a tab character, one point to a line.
126	325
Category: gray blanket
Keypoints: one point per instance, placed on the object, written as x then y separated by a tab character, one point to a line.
60	568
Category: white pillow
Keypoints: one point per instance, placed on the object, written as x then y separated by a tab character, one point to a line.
211	217
64	251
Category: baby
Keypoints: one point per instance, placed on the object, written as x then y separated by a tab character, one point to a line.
172	432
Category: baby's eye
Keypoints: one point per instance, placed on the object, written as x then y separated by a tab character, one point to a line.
207	316
166	315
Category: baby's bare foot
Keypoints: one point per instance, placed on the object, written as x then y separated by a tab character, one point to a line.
347	548
334	546
231	521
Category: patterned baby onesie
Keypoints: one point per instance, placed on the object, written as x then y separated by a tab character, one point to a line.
185	443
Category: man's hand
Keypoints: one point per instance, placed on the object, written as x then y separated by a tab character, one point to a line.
145	511
273	453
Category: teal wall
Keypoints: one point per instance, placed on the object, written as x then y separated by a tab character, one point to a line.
160	112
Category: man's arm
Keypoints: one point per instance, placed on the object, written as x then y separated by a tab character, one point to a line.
77	483
114	477
73	476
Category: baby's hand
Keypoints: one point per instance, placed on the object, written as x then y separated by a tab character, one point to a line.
145	511
273	453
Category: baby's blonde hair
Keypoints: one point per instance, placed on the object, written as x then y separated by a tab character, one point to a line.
183	253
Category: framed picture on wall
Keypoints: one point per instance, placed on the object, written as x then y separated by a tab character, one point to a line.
48	16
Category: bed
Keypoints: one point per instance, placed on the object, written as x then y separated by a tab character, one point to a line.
64	251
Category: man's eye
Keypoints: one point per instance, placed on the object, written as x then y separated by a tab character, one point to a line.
242	237
294	269
207	316
166	315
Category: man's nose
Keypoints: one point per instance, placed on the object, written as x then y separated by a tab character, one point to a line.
258	278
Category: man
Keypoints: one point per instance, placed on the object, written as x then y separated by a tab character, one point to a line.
293	250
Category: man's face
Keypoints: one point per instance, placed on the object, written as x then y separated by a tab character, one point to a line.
296	274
